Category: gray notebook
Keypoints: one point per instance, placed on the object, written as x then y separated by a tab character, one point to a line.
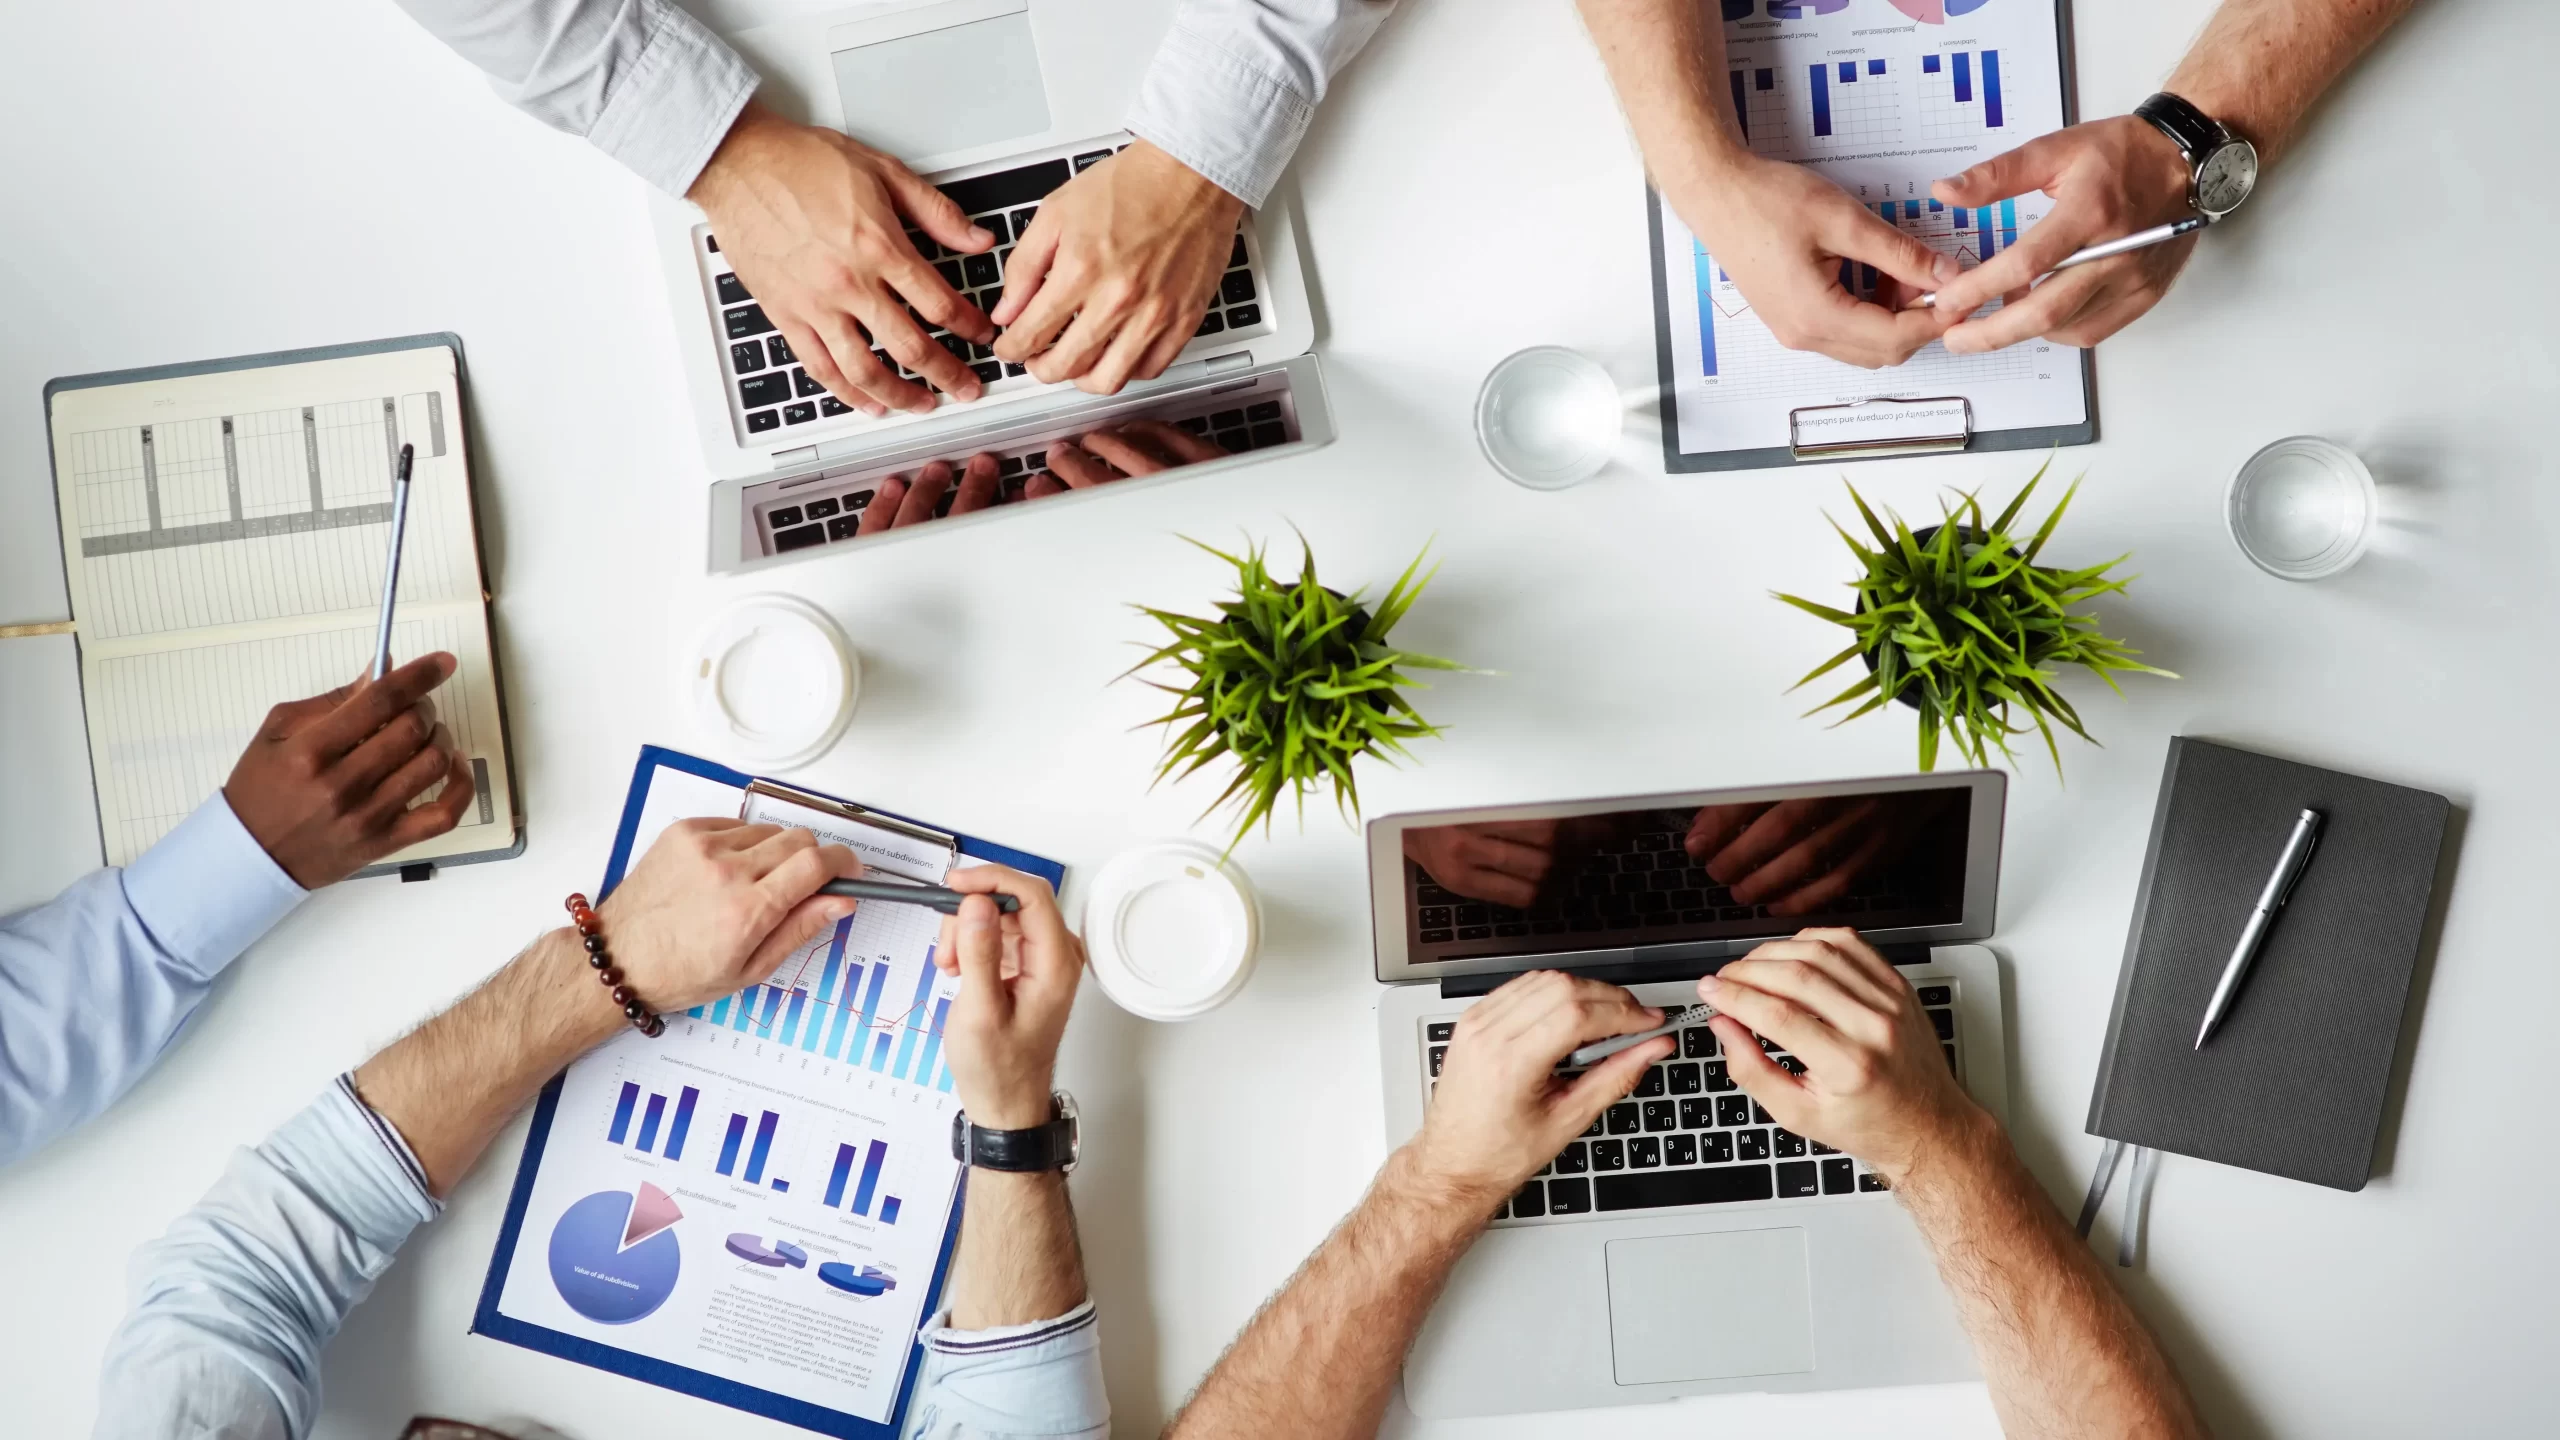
2292	1082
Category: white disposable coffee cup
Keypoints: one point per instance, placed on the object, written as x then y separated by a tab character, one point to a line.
1171	931
772	681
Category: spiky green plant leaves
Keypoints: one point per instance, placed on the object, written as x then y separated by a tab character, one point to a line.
1291	684
1969	627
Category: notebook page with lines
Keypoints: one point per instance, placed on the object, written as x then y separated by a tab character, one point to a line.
223	533
1880	101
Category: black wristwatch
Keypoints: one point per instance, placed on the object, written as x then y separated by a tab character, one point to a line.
2224	167
1054	1146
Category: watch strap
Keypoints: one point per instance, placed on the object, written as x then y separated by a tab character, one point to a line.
2187	127
1042	1147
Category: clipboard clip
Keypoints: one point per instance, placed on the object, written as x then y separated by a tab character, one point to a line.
847	810
1886	425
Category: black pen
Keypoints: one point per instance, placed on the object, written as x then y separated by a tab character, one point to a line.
932	897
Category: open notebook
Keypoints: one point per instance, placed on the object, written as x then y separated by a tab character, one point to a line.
223	529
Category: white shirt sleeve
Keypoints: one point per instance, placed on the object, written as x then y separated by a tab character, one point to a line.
1236	82
641	79
96	982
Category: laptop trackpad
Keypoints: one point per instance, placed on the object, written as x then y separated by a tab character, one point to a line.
1720	1306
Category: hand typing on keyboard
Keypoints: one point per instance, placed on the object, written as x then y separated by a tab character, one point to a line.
1140	447
1500	1112
1875	1082
1111	280
1799	856
815	225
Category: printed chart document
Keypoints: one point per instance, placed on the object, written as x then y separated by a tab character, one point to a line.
224	529
1882	97
755	1206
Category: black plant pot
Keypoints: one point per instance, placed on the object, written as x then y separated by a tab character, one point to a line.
1919	537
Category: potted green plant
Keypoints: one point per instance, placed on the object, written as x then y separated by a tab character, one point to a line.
1958	622
1292	683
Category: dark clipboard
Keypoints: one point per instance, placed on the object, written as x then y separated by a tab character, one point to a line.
1676	462
444	340
487	1321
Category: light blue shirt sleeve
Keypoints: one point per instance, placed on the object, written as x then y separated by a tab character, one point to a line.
232	1306
1231	91
642	80
95	983
1012	1383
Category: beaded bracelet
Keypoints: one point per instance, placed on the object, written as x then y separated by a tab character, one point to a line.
591	931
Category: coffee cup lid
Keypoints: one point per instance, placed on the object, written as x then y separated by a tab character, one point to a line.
773	681
1171	930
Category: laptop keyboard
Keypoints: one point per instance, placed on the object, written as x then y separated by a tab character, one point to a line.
1689	1136
1645	881
775	393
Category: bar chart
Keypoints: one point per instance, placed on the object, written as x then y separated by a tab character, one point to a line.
1853	102
876	1155
647	1140
1960	94
1760	107
849	997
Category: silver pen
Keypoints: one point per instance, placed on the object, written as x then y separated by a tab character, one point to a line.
391	567
1672	1019
2139	240
2289	867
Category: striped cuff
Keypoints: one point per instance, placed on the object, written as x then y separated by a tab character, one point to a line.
1209	108
397	1148
665	118
941	1338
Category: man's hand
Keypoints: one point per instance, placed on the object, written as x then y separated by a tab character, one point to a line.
1138	447
1799	856
326	784
1504	861
1110	281
2108	179
1501	1110
1782	231
900	502
1018	976
717	903
1875	1084
815	226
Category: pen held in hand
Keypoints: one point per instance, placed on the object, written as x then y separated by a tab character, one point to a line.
391	566
2139	240
1672	1019
932	897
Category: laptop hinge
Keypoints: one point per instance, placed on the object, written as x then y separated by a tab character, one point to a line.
1646	972
785	459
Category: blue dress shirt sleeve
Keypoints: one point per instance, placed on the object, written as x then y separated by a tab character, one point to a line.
233	1305
1012	1383
1236	82
95	983
642	80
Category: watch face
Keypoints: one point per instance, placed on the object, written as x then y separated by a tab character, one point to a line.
2226	178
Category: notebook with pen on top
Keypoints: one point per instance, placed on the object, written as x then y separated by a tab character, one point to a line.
224	526
2292	1081
758	1206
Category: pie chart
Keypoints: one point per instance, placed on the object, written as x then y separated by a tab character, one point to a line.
1935	12
614	1256
867	1280
752	1249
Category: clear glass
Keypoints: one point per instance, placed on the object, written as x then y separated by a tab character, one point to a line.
2302	508
1548	417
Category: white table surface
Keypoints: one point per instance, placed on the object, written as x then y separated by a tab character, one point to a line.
188	181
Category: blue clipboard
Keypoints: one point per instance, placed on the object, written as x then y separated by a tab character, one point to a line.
487	1321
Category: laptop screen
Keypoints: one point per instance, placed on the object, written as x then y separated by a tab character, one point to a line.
1881	860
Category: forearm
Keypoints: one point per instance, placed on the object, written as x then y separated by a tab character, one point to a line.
2064	1354
450	1085
1665	59
1018	1260
1320	1359
2260	65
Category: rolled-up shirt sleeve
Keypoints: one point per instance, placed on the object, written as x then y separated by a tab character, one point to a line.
96	982
1231	91
232	1307
1013	1383
642	80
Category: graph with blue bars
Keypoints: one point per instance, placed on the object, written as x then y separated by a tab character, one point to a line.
849	998
1960	94
646	1142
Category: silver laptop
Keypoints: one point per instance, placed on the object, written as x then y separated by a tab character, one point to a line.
978	97
1686	1244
